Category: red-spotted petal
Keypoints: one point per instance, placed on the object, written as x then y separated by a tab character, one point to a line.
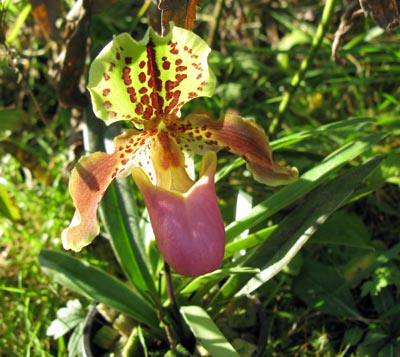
141	81
243	137
188	226
91	177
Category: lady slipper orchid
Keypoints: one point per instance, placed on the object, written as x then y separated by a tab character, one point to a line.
147	83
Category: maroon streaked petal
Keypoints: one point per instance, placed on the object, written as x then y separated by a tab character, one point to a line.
240	136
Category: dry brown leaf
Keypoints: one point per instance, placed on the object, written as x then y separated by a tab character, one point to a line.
46	13
181	12
73	66
384	12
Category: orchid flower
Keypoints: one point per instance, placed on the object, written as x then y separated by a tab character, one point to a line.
146	83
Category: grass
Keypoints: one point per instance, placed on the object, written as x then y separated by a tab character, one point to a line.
258	49
29	300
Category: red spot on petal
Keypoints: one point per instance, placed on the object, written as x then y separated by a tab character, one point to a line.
145	99
128	60
126	76
143	90
106	91
166	65
139	109
142	64
179	61
111	67
192	95
180	77
148	113
181	68
174	102
170	85
173	49
142	77
132	94
118	56
208	134
107	104
106	76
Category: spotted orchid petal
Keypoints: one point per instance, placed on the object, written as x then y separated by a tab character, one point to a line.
149	79
188	226
243	137
91	177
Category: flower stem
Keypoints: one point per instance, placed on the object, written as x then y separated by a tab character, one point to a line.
186	336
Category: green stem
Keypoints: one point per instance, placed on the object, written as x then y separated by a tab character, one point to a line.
304	66
186	337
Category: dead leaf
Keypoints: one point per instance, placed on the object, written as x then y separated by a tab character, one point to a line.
384	12
46	13
181	12
73	66
352	11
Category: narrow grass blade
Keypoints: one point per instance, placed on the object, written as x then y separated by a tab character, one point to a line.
295	230
97	285
308	181
248	242
207	332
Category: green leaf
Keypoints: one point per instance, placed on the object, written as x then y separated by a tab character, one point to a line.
320	286
8	208
97	285
327	128
18	23
302	186
294	231
248	242
216	275
343	228
389	171
207	332
139	81
12	119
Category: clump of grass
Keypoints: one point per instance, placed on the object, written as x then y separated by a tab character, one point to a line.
29	300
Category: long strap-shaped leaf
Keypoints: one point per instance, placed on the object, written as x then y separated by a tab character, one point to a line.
97	285
294	231
207	332
307	182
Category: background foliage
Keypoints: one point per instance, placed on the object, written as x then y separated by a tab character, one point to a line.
340	294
